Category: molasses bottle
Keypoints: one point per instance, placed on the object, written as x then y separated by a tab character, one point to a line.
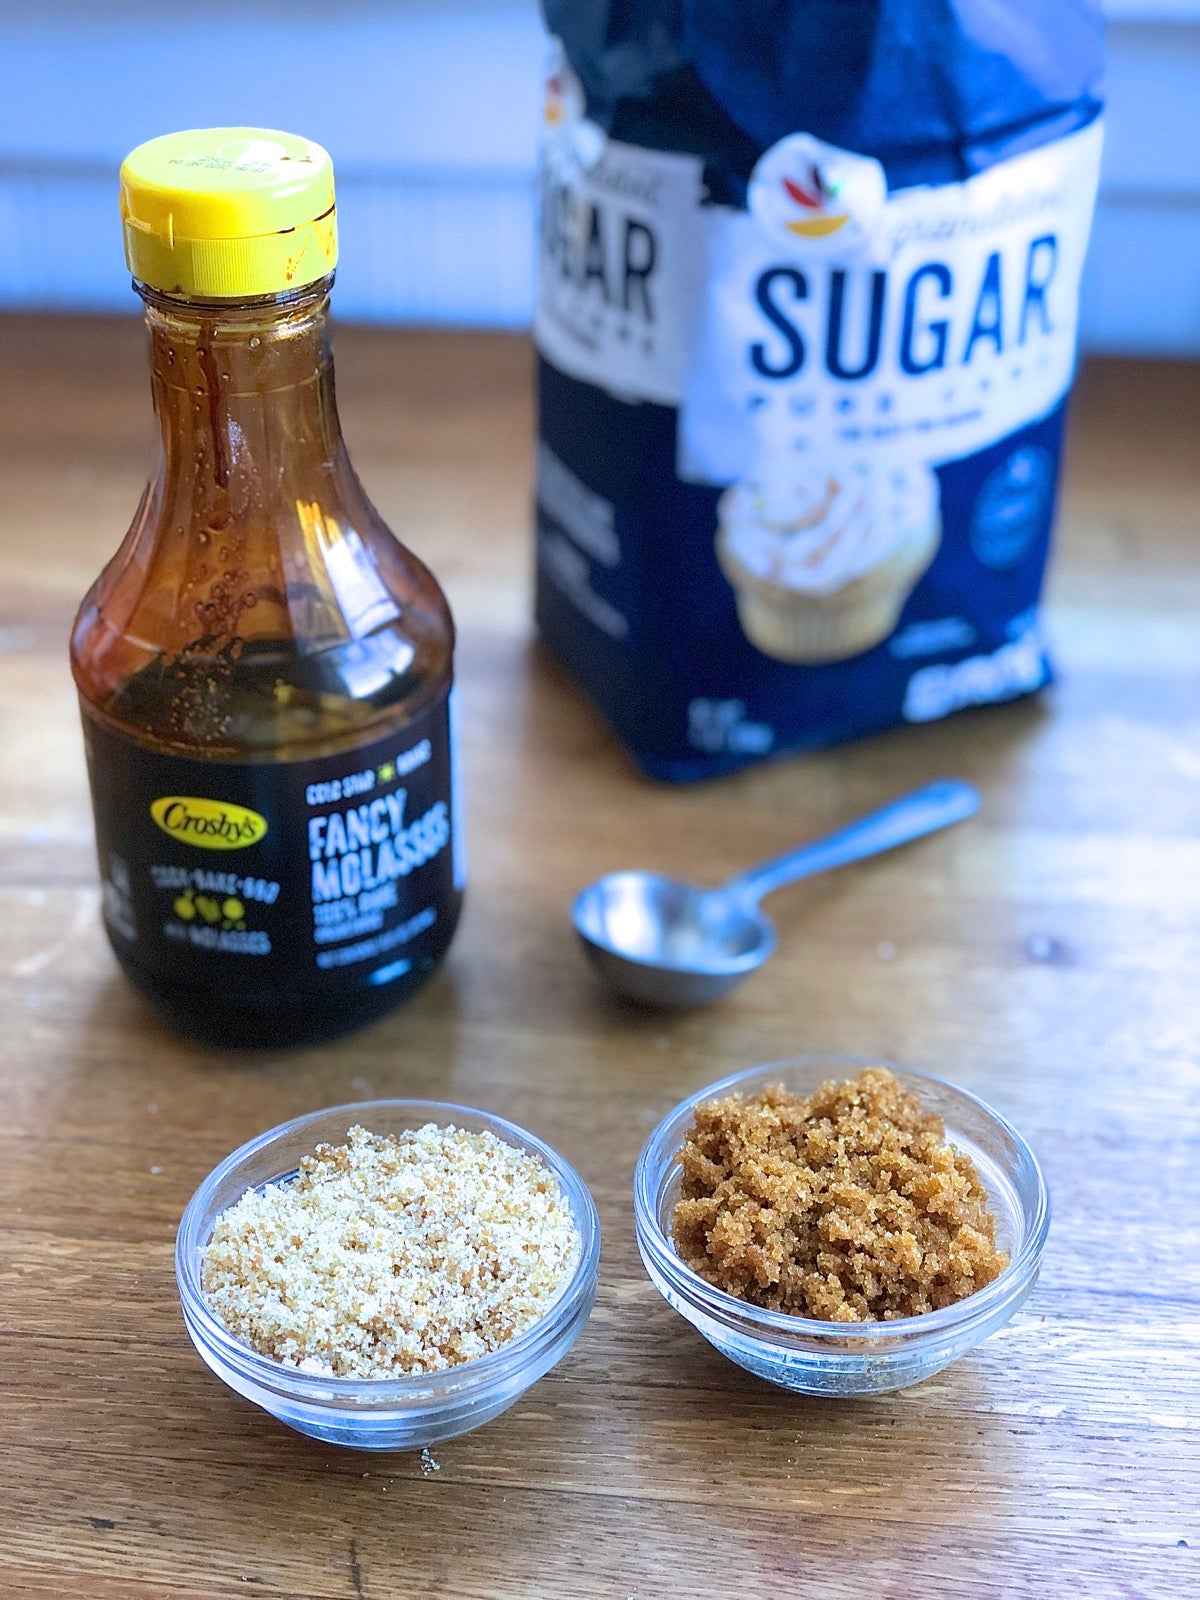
264	671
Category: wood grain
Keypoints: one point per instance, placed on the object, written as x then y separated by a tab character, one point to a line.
1045	956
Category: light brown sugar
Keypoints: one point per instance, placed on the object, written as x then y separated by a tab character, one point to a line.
386	1256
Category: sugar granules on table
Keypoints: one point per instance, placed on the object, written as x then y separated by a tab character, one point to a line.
393	1255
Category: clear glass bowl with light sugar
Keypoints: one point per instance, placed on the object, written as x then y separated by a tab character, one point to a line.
402	1413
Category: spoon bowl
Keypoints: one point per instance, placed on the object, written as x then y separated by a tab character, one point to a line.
667	943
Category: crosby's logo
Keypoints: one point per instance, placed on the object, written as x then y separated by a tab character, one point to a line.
209	824
815	198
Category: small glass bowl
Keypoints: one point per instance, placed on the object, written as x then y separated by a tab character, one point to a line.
404	1413
858	1358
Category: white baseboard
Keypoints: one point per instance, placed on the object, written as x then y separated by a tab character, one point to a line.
431	108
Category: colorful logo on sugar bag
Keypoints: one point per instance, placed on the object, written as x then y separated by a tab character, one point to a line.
553	109
571	143
564	99
815	198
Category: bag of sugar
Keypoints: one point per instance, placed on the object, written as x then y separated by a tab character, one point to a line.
806	322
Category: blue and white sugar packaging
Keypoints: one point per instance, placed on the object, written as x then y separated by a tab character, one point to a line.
806	326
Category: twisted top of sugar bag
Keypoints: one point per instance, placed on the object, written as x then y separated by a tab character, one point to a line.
934	89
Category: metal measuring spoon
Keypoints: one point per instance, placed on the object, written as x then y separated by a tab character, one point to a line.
668	943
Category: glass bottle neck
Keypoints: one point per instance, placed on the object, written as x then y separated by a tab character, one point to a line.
244	396
258	603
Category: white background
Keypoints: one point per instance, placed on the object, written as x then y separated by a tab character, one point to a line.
431	110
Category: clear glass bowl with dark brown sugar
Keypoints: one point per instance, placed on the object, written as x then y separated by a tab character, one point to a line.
847	1358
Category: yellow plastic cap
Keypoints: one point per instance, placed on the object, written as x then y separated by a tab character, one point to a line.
227	213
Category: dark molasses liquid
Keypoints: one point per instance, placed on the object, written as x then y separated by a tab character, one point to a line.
265	675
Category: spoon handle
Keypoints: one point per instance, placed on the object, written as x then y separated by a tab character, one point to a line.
926	810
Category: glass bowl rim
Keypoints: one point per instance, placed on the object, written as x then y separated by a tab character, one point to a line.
496	1365
651	1169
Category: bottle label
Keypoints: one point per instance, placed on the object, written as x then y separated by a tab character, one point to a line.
274	880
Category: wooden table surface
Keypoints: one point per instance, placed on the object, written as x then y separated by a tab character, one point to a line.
1045	955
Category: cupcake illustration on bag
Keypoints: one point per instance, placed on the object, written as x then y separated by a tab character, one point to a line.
822	542
822	553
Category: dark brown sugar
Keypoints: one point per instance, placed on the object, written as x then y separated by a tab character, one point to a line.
845	1206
